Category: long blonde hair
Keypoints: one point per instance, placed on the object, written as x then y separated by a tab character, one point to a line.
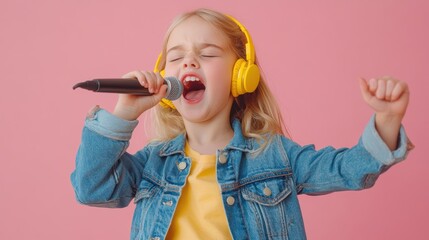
258	112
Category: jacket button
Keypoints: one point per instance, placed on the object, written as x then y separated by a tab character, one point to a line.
182	165
230	200
222	159
267	191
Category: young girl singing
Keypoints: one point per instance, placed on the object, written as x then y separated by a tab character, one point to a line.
220	166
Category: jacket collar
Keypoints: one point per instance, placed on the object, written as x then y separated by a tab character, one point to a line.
238	142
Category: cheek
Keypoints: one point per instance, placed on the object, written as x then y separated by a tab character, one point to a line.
223	75
171	70
221	84
222	88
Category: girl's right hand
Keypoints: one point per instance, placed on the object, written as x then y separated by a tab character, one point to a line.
130	107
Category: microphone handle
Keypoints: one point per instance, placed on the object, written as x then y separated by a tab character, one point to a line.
121	85
130	86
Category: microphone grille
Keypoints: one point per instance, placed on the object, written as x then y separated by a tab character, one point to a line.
175	88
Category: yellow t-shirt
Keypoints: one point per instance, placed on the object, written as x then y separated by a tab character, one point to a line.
200	213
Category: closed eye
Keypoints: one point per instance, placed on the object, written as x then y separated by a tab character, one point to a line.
175	59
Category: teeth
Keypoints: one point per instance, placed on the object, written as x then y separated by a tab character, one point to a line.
191	79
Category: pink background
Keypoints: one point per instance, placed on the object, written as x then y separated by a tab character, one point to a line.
312	53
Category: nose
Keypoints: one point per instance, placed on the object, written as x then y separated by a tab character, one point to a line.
190	61
185	65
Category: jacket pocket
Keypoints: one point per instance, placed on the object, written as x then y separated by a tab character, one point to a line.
266	200
268	193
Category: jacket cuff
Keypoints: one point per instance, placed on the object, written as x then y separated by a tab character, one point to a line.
109	125
375	145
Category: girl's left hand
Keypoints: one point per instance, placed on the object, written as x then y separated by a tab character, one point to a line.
387	96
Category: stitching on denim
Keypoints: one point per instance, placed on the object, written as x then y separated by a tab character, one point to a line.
316	187
240	202
258	219
256	178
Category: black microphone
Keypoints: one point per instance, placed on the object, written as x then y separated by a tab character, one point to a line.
130	86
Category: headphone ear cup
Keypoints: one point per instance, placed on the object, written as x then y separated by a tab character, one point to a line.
245	78
167	103
237	77
251	77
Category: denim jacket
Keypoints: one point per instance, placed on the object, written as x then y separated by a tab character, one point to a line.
259	191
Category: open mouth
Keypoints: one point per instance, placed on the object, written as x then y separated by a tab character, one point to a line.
193	88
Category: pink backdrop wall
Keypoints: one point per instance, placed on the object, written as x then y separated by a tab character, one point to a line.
312	53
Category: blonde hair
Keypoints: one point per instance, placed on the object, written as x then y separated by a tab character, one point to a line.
258	112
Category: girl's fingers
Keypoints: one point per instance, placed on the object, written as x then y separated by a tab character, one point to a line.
137	75
130	74
384	88
142	79
398	90
390	84
365	89
160	81
381	89
152	82
372	85
386	95
156	81
148	81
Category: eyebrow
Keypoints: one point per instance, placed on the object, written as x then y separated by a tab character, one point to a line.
200	46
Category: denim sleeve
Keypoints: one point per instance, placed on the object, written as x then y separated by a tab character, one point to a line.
329	169
108	125
379	150
105	174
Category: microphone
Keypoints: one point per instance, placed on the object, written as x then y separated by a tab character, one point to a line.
130	86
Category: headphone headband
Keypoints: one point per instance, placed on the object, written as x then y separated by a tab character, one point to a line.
250	50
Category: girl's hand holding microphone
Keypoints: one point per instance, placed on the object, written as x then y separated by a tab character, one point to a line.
130	107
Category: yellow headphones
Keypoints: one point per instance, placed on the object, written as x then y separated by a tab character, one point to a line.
245	76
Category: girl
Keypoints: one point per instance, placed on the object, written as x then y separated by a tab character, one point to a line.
220	166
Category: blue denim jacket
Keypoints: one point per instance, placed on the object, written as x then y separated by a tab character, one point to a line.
259	191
